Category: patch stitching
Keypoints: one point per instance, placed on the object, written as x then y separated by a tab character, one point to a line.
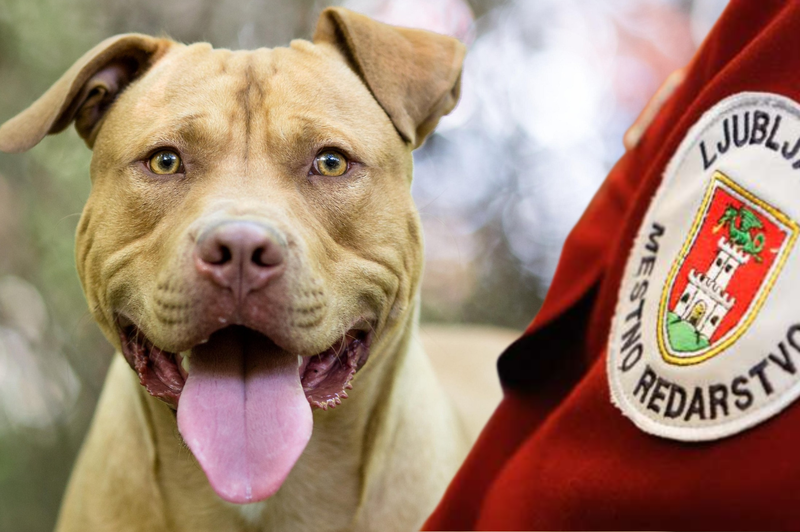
722	428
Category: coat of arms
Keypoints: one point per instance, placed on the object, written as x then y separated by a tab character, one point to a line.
736	248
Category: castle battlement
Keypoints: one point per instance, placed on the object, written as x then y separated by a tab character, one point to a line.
711	289
733	251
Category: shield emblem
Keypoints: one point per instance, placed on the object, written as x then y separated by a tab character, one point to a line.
733	254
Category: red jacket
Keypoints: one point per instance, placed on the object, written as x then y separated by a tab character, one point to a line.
703	366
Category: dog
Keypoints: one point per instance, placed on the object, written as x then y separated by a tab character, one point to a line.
251	249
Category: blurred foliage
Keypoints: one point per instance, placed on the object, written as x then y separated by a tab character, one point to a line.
43	192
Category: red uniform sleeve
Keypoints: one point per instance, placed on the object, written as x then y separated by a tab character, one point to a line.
557	454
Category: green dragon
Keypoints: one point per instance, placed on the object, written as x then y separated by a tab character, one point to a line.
741	234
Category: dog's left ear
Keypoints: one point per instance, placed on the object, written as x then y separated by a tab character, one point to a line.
415	75
85	92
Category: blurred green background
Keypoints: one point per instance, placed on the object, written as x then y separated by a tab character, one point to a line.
498	187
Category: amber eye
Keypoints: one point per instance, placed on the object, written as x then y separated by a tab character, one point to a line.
165	162
330	163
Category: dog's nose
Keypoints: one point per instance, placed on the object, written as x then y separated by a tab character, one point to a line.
240	255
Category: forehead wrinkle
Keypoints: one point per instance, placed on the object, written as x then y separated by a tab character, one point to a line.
315	129
327	99
187	133
294	133
186	101
258	71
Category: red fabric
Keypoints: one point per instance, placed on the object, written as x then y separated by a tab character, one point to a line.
557	454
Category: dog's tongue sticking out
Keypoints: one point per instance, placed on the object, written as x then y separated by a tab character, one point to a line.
244	414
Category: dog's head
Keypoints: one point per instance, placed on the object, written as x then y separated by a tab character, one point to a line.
250	237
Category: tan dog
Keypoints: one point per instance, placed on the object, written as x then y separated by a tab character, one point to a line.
251	248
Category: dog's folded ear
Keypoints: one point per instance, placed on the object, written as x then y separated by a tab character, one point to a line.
414	75
85	92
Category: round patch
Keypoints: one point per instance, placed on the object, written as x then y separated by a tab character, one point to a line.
705	340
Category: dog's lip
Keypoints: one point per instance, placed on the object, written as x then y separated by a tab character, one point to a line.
158	369
327	376
163	373
363	325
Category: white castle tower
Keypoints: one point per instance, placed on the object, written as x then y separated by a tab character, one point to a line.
704	302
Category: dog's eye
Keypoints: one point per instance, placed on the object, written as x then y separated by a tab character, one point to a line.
165	162
330	163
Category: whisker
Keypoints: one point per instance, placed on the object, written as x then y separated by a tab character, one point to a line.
69	216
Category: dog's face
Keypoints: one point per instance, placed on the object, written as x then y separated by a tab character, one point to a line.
250	241
263	189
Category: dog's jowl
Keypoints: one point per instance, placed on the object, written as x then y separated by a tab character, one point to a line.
251	248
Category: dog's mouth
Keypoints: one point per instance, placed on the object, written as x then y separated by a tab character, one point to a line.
243	402
325	377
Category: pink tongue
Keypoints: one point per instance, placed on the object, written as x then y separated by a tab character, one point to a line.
243	414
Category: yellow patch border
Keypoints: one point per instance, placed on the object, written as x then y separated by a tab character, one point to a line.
754	307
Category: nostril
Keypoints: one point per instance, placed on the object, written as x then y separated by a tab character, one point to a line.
225	255
213	252
258	257
267	256
244	255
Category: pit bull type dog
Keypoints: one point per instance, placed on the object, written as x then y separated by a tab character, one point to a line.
251	248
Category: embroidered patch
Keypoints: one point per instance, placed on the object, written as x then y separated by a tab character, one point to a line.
705	340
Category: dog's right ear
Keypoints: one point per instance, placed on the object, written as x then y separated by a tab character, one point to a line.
85	92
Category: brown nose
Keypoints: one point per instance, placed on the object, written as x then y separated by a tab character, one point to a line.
240	255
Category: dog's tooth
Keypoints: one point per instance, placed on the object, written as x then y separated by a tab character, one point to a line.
186	354
299	361
185	362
